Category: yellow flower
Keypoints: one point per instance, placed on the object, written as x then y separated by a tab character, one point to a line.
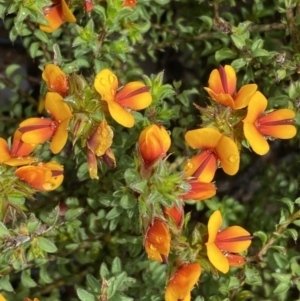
222	245
181	284
154	142
222	88
39	130
259	125
56	79
133	96
2	298
215	148
157	241
18	154
43	177
56	15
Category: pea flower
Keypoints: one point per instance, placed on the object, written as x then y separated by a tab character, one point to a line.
222	88
176	213
56	79
56	15
130	3
215	148
180	285
43	177
39	130
154	142
157	241
223	244
259	125
18	154
133	96
199	191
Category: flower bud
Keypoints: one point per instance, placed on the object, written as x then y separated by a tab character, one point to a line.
176	213
56	79
154	142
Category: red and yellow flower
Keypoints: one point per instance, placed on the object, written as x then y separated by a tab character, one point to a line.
215	148
56	15
39	130
43	177
199	191
133	96
154	142
56	79
181	283
223	245
259	125
18	154
222	88
157	241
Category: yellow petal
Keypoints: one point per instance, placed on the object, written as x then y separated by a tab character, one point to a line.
66	12
230	79
60	137
214	225
20	148
205	138
106	84
54	18
256	140
215	83
55	79
56	107
19	161
134	96
257	105
4	151
224	99
217	258
2	298
241	100
228	154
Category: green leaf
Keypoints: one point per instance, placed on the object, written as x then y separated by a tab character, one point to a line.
289	203
84	295
116	266
46	245
26	279
238	63
131	175
93	283
281	288
11	69
262	235
282	277
238	41
3	230
114	212
73	213
128	201
140	186
5	284
224	53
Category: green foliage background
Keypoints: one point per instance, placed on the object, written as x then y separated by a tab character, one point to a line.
96	250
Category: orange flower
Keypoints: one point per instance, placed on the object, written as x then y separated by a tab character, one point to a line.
88	6
39	130
43	177
176	213
199	191
130	3
181	284
157	241
215	147
222	88
56	80
222	245
56	15
133	96
259	126
18	155
154	142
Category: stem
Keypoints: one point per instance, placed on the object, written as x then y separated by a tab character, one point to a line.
273	238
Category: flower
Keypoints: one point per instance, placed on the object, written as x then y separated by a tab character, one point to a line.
215	147
56	79
88	6
39	130
28	299
43	177
130	3
18	155
222	88
259	126
154	142
56	15
181	284
176	213
2	298
157	241
199	191
222	245
133	96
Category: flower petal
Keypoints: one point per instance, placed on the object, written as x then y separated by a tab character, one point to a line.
215	82
19	161
224	99
228	154
230	79
205	138
66	12
4	151
235	260
55	79
241	100
202	166
134	96
20	148
170	297
214	225
54	17
60	137
56	107
56	178
217	258
106	84
233	239
256	140
257	105
200	191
